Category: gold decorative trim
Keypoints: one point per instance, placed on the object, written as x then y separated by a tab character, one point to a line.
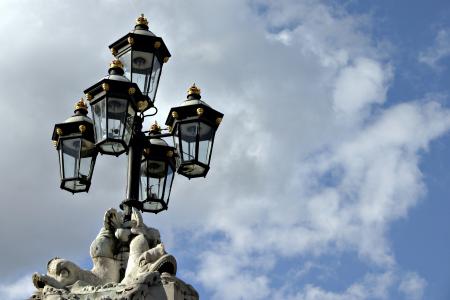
200	111
88	97
155	127
170	128
130	40
175	115
82	128
146	151
116	64
142	105
193	90
131	90
81	105
59	131
105	87
157	44
55	143
166	59
218	121
142	20
113	51
169	153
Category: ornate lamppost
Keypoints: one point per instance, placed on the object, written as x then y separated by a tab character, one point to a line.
119	103
126	252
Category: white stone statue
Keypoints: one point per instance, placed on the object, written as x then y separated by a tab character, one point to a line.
128	260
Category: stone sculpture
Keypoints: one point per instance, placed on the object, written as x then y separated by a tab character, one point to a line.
129	262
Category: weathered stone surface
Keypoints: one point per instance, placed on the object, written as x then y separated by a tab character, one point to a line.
130	262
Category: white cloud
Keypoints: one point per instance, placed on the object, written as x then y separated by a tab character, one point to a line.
20	289
358	85
413	286
292	174
438	51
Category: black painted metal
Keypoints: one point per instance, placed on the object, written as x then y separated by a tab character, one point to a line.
134	167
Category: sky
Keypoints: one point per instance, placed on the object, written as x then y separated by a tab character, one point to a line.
328	178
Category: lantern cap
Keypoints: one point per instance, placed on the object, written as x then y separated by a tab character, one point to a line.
116	64
81	107
155	128
142	20
141	23
193	90
116	68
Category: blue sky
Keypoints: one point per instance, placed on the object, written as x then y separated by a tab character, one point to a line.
329	174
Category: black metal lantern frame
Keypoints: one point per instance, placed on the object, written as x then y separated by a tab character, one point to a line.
114	106
158	168
74	140
143	55
194	126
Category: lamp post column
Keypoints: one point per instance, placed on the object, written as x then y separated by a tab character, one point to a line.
134	167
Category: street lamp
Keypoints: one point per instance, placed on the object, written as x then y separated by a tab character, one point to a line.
194	126
114	102
143	55
74	140
157	172
119	102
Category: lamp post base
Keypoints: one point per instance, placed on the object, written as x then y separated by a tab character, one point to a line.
129	260
153	286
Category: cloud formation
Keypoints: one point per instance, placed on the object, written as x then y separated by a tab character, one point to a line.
439	50
311	159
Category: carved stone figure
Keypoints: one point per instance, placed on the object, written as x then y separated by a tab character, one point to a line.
128	263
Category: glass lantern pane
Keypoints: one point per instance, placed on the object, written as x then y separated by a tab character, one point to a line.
71	157
129	124
206	135
169	178
126	61
86	156
154	206
99	113
112	147
117	113
152	179
142	63
75	185
153	84
188	137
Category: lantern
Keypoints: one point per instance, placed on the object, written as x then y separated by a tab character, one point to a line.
74	140
114	101
157	173
194	124
143	55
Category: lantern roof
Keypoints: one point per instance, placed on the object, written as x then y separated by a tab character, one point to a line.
141	39
79	123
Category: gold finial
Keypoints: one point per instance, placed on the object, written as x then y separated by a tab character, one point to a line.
155	128
193	90
81	105
116	64
142	20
